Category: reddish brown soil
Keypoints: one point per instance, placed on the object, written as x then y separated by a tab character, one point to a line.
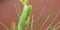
8	11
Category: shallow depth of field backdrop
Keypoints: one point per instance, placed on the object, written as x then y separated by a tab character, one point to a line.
8	12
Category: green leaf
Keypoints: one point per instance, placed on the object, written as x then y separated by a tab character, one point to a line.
24	16
27	22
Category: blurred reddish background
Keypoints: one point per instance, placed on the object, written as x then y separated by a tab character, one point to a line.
8	11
